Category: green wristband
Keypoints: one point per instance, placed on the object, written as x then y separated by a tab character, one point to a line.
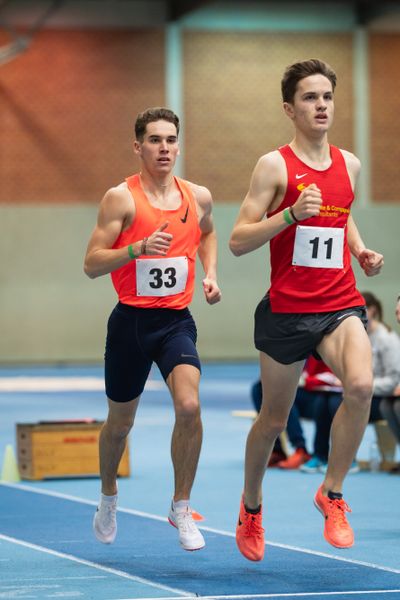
131	252
287	217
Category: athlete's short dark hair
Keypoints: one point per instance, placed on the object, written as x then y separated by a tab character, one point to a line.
157	113
294	73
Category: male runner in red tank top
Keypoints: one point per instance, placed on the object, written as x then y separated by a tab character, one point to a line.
305	191
148	232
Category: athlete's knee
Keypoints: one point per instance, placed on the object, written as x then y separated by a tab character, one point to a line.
118	429
359	390
271	427
187	408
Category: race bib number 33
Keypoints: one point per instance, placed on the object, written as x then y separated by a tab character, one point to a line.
161	276
320	247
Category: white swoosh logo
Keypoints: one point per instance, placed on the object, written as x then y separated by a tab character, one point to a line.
301	176
345	315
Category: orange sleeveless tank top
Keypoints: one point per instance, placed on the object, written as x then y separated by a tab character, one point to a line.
160	281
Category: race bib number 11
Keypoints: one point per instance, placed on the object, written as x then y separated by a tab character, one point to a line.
161	276
320	247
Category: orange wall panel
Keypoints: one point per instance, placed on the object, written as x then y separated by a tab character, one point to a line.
67	112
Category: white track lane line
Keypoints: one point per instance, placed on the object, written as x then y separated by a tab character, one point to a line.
203	527
94	565
288	595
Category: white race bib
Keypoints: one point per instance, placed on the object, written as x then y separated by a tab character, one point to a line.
161	276
320	247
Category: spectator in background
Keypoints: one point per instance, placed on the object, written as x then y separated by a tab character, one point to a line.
278	453
397	310
385	350
318	387
390	407
328	388
386	376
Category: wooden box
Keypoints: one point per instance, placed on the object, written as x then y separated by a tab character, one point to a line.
52	449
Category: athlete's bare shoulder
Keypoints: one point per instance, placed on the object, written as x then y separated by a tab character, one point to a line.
202	196
270	171
268	181
273	162
119	198
353	165
117	205
118	193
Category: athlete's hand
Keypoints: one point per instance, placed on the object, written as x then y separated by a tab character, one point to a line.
308	203
158	243
370	261
211	290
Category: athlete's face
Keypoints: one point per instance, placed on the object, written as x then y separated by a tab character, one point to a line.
312	108
159	147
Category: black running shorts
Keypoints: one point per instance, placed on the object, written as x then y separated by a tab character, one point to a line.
291	337
137	337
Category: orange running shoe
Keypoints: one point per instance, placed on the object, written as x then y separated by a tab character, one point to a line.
298	458
337	530
250	534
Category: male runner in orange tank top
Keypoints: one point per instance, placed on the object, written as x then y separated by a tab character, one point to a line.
148	232
305	191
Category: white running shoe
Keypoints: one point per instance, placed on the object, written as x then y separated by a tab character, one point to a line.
189	535
105	521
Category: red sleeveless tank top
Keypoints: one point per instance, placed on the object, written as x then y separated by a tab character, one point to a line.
310	261
155	281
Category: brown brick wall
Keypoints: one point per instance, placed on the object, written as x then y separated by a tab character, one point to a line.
233	107
385	122
67	110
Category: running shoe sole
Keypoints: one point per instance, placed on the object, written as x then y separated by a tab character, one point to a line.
187	549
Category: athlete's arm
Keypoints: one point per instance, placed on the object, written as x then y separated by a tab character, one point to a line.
208	244
113	211
370	261
251	230
267	189
116	213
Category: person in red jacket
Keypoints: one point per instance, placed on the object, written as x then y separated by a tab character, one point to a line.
299	201
149	230
318	388
327	388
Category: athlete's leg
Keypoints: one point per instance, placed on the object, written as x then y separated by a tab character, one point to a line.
126	370
183	383
112	441
347	351
111	446
279	384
